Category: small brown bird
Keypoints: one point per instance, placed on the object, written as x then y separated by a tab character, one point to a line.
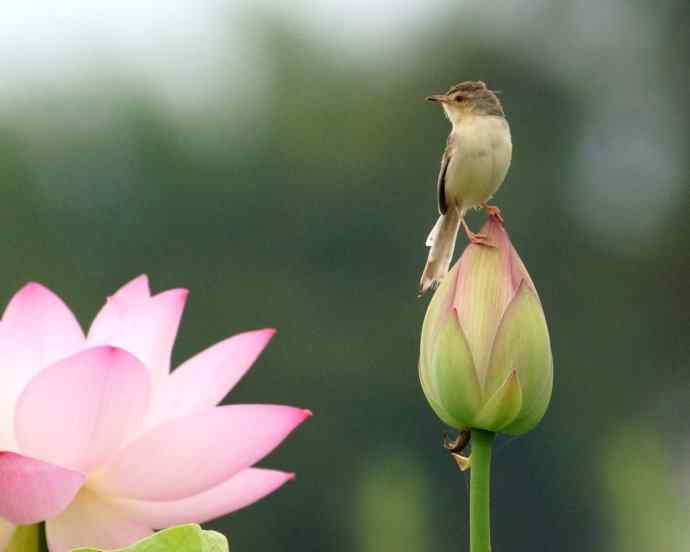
473	166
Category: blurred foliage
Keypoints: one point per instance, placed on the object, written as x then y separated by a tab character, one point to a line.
646	497
306	208
393	504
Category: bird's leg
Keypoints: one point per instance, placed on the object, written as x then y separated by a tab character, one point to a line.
479	239
492	211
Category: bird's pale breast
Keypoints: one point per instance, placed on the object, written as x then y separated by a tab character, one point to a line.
480	161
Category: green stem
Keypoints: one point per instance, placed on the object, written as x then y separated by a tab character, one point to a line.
480	491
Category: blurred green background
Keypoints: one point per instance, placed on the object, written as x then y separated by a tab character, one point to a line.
280	162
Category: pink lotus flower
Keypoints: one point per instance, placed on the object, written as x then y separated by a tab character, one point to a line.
103	442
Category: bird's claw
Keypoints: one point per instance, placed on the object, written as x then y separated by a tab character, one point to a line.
493	211
478	239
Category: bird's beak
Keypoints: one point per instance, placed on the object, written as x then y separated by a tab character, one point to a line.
438	98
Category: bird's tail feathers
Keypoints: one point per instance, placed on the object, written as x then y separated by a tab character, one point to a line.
441	240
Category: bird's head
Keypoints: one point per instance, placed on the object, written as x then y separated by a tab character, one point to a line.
469	98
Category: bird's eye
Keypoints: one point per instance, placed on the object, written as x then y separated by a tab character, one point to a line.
459	98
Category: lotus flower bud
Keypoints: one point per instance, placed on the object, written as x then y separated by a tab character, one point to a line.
485	357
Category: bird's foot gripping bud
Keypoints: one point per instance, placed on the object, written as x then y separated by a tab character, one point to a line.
456	446
473	237
493	211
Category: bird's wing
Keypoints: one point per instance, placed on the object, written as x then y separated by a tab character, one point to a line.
441	182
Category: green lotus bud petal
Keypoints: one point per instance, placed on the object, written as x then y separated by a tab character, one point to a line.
502	407
440	315
485	356
522	345
452	375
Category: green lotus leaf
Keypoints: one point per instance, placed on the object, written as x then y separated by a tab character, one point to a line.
183	538
25	539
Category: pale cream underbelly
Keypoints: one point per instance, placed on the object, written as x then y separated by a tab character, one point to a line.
475	173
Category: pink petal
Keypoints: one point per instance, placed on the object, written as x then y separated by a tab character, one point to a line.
135	290
37	329
144	326
242	489
77	411
190	455
513	265
92	522
33	490
6	533
205	379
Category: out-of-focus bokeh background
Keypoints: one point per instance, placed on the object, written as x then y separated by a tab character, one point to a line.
279	161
